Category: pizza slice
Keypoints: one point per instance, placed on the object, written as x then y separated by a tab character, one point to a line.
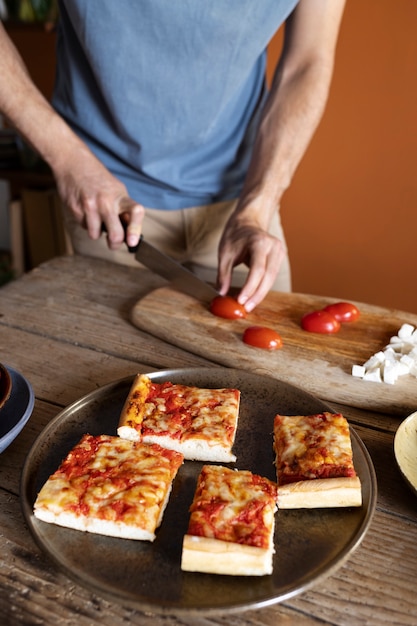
314	462
199	423
231	524
110	486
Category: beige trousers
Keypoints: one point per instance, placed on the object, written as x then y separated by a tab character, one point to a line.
190	236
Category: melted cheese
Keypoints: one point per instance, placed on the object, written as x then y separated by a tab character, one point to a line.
110	479
233	505
188	412
182	417
312	446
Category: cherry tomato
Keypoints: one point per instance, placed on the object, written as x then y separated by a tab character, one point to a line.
343	311
228	307
262	337
320	322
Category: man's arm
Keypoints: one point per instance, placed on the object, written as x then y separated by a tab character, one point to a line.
85	185
292	112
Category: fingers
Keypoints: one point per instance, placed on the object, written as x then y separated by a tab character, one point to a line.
136	214
262	253
114	229
224	273
97	199
261	277
122	224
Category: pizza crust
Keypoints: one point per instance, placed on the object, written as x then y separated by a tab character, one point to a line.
131	416
127	432
97	526
194	449
213	556
320	493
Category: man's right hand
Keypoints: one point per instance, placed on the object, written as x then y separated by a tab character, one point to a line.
96	197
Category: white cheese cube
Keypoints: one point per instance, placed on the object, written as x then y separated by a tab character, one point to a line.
403	369
390	374
395	340
406	347
373	375
405	331
390	354
374	360
407	361
392	371
358	371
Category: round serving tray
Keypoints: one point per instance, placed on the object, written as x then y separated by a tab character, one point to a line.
309	544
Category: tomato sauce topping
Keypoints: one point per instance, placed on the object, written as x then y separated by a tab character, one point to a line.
179	411
240	519
323	471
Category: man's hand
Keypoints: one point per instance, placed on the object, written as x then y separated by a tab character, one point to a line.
244	241
96	197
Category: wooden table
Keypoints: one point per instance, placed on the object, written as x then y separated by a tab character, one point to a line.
66	327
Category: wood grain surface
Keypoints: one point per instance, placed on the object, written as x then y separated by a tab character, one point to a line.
66	326
323	363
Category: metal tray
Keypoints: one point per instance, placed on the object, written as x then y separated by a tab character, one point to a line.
310	544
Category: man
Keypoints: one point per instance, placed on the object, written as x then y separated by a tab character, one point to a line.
161	114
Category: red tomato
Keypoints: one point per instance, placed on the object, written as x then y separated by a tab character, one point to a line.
343	311
228	307
320	322
262	337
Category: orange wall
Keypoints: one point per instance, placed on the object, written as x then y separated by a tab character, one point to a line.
350	214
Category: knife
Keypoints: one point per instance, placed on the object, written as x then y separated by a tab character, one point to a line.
179	276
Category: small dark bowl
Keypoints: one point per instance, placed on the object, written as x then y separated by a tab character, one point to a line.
5	385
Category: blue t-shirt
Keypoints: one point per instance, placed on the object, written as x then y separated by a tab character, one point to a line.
167	92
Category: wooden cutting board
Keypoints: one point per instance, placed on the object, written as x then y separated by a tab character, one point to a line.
320	364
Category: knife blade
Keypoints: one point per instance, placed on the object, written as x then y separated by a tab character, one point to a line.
179	276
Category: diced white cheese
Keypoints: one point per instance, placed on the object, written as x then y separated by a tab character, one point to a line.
395	341
407	361
405	331
407	347
358	371
390	374
413	370
403	368
375	360
390	355
373	375
397	359
393	370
